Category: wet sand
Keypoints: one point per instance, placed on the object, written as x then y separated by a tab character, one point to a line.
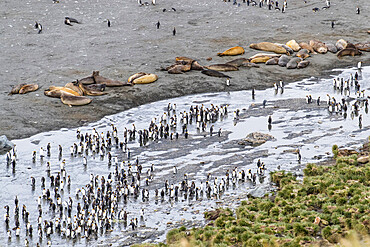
61	53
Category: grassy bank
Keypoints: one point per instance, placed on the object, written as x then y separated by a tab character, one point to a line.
330	203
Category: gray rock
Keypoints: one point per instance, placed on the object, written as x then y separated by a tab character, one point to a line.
256	139
283	60
260	191
5	144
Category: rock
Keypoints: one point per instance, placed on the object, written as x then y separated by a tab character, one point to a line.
363	159
259	191
5	144
256	139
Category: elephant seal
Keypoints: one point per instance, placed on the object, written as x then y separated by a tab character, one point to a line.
348	52
75	87
88	80
222	67
237	62
331	47
272	61
318	46
108	82
363	46
264	55
288	49
293	63
211	72
91	91
341	44
145	79
63	90
294	45
283	60
134	76
303	53
185	59
306	46
196	66
303	64
72	100
260	59
178	68
268	46
28	88
16	88
234	51
96	87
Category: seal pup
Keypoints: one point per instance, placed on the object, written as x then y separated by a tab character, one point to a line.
293	63
214	73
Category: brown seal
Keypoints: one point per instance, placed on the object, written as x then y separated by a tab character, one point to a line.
348	52
28	88
272	61
108	82
237	62
222	67
318	46
72	100
268	46
237	50
363	46
16	88
303	53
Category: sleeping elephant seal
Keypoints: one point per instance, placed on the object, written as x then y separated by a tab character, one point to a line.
303	64
272	61
145	79
72	100
211	72
178	68
108	82
75	87
222	67
294	45
196	66
234	51
283	60
134	76
237	62
341	44
348	52
261	59
303	53
304	45
184	59
363	46
268	46
92	90
16	88
318	46
88	80
62	90
28	88
331	47
293	63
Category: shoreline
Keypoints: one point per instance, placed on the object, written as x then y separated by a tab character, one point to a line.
61	53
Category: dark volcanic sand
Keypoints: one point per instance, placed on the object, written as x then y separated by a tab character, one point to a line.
63	53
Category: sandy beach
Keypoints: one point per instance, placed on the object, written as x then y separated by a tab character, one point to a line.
61	53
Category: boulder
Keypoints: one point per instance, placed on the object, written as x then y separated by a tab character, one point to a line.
256	139
363	159
5	144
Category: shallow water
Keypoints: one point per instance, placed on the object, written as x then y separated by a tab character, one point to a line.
295	125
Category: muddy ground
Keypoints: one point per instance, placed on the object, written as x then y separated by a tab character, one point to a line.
62	53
